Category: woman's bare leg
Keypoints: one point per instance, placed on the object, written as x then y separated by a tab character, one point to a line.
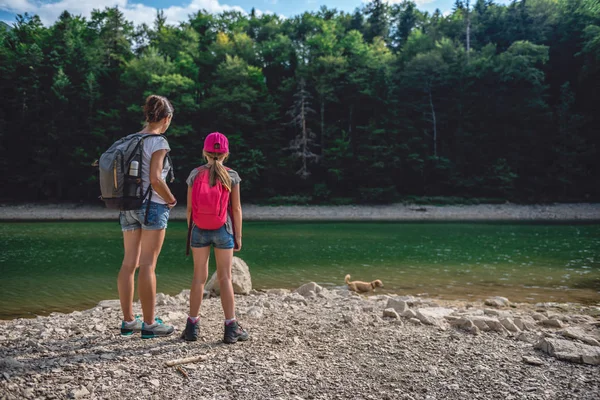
201	256
224	258
152	241
125	280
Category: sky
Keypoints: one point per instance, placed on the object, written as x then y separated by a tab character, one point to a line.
139	11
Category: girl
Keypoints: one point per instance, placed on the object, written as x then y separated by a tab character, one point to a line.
142	241
212	188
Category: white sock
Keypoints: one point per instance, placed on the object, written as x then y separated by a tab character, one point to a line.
193	319
229	321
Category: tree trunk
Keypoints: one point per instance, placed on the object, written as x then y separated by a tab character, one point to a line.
304	137
322	124
434	121
468	28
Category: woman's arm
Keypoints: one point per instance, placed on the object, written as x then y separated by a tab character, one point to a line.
236	208
158	184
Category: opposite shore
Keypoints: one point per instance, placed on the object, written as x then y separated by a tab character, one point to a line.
589	212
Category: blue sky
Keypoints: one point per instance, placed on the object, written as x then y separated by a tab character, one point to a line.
140	11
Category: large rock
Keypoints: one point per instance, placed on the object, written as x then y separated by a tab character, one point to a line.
434	316
240	276
306	289
579	334
398	305
570	351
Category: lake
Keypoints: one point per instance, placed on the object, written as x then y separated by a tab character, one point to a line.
65	266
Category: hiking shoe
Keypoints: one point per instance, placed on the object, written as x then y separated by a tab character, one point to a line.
157	329
127	328
234	332
191	330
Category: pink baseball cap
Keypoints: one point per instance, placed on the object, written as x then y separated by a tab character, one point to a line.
216	142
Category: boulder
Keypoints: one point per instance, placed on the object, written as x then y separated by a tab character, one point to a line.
240	276
570	351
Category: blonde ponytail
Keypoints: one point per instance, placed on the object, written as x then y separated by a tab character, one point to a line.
216	170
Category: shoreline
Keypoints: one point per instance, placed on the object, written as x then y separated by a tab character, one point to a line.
312	343
557	212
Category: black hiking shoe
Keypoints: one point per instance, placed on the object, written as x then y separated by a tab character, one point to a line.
191	330
234	332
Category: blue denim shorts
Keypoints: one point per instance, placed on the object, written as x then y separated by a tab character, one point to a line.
219	238
158	216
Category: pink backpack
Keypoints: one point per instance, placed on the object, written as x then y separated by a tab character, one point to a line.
209	204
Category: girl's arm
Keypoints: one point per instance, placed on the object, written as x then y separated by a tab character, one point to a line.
236	208
189	206
158	184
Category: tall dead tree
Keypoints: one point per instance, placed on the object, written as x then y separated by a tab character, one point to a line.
303	142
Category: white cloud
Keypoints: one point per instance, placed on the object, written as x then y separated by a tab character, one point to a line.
135	12
418	2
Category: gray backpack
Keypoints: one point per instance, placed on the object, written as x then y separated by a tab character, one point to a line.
121	173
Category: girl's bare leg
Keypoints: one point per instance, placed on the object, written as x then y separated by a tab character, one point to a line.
201	256
125	280
152	241
224	258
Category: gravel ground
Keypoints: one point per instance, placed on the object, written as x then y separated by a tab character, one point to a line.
393	212
334	345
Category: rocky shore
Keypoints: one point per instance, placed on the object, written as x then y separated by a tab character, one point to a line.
312	343
392	212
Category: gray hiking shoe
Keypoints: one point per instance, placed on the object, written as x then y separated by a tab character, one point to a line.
234	332
128	328
157	329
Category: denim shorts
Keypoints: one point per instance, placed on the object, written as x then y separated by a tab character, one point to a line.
158	216
219	238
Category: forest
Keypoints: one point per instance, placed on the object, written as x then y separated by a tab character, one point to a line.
388	103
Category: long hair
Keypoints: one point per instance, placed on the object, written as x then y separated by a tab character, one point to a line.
217	170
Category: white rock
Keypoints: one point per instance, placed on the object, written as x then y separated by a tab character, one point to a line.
570	351
497	301
552	323
398	305
390	313
305	289
154	382
509	324
240	277
579	334
533	361
80	393
409	314
434	316
295	298
116	304
255	312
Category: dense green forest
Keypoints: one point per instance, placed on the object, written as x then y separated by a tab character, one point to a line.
490	101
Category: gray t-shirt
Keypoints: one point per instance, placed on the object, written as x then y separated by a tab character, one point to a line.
235	180
151	145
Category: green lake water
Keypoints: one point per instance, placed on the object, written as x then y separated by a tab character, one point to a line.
66	266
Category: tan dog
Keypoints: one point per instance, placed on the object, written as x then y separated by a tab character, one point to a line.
362	287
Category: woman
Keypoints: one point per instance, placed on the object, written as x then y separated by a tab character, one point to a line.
143	235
